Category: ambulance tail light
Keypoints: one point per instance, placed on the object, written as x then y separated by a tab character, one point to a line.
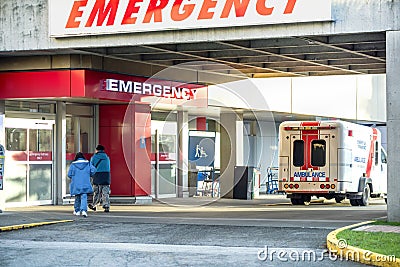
286	186
327	186
322	186
296	186
291	186
333	186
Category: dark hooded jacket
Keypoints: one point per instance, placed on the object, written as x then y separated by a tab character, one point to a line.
102	163
80	172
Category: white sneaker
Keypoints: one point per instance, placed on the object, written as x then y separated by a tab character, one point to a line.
83	213
77	213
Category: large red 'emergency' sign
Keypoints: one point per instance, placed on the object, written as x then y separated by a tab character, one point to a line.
76	17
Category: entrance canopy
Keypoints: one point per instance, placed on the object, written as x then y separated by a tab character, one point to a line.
213	42
272	38
358	53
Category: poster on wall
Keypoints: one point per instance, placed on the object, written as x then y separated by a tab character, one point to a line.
202	150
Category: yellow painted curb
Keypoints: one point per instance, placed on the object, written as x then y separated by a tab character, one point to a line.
29	225
344	251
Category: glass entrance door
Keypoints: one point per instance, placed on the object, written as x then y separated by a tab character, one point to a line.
165	175
29	161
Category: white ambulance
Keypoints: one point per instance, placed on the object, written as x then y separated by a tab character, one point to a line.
331	159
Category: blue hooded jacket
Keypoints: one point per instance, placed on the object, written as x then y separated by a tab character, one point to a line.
80	172
102	163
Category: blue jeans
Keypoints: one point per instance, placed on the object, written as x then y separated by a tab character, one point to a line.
80	202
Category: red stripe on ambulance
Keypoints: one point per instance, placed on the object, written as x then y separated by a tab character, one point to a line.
308	136
371	152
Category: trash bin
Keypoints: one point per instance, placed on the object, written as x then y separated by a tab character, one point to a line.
243	182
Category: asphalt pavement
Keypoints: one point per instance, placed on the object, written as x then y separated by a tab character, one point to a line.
180	232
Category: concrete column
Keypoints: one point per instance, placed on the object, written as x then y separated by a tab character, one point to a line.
231	150
183	151
96	112
157	165
60	153
393	122
2	142
77	134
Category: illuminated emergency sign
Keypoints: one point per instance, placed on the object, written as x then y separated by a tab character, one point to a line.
78	17
134	87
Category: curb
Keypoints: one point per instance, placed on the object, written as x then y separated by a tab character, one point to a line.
342	250
29	225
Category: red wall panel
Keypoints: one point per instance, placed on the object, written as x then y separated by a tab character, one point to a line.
123	139
112	115
142	150
78	83
121	183
35	84
201	124
110	135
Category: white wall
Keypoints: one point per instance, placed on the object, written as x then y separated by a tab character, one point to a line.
354	97
328	96
371	97
266	150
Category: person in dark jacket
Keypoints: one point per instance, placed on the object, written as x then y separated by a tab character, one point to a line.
80	172
101	179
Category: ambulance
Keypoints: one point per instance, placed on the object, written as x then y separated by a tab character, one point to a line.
331	159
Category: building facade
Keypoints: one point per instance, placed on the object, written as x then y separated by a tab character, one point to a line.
55	57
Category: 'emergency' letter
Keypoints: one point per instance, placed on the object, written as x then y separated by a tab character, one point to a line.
204	13
262	9
132	8
240	8
187	11
155	10
102	13
75	13
289	6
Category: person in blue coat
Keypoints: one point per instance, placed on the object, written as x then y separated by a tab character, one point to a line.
80	172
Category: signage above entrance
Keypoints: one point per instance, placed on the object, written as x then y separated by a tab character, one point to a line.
96	17
96	85
134	87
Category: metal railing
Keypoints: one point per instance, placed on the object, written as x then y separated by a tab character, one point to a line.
272	180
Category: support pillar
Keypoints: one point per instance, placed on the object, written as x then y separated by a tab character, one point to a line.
231	150
183	152
77	134
393	122
60	175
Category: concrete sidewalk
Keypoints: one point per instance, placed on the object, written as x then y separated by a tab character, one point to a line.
379	228
34	216
50	213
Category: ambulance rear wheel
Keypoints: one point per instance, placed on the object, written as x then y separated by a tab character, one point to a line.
354	202
304	200
364	201
294	201
339	199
